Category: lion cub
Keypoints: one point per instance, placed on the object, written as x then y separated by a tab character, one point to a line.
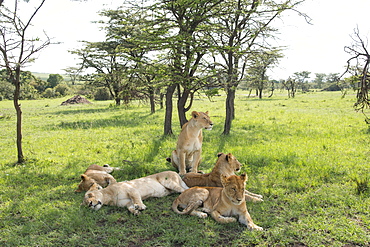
96	174
189	144
221	203
227	165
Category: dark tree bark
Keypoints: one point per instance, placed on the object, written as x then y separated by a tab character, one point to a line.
230	110
169	109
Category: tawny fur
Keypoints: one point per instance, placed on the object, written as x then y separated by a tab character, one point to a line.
188	151
220	202
96	174
131	194
227	165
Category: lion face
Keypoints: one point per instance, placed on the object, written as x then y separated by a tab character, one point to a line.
93	198
232	163
202	120
234	188
86	183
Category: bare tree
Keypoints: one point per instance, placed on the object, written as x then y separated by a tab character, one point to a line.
16	50
360	55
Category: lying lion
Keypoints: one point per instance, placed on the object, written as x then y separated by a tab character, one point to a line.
131	193
226	165
189	144
96	174
221	203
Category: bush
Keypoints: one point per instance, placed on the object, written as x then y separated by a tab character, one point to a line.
62	89
49	93
102	94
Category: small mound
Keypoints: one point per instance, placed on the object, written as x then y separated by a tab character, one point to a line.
76	100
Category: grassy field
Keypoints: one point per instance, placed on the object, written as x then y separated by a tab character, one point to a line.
308	156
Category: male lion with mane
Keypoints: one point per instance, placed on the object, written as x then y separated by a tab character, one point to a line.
189	144
221	203
131	193
97	174
227	165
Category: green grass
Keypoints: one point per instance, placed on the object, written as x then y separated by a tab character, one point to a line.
308	156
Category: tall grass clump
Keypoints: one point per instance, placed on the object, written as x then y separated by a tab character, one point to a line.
308	156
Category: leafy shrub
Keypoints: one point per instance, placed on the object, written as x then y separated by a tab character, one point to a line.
49	93
102	94
62	89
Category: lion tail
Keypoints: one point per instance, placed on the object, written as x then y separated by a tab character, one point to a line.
189	208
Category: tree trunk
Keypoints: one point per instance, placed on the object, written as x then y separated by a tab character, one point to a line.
152	101
117	100
18	110
230	110
181	110
169	108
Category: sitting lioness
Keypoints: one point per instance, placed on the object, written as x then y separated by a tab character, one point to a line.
131	193
189	144
96	174
226	165
221	203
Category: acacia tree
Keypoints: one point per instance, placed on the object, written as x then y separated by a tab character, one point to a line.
258	64
185	23
242	27
361	57
17	48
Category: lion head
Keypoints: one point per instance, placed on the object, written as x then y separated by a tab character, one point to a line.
234	188
202	120
86	183
93	197
227	163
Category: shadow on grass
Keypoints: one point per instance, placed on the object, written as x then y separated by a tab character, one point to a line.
114	121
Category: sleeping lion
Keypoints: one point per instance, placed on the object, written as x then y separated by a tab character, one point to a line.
131	193
96	174
227	165
221	203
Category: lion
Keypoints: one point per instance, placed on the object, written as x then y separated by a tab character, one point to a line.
221	203
227	165
96	174
131	193
189	144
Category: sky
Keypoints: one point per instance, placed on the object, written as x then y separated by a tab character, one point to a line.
316	47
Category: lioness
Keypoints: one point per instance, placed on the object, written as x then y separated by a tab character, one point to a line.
226	165
221	203
189	143
131	193
96	174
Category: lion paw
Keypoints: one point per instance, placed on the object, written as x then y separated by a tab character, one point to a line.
254	227
139	207
202	215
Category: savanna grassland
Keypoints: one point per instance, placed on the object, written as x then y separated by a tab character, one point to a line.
308	156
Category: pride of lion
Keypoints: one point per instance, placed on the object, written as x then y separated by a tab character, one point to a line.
220	193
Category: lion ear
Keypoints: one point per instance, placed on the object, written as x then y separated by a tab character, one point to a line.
244	177
94	186
219	154
228	157
223	179
83	177
206	112
195	114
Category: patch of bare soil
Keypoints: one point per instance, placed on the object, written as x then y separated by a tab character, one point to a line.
76	100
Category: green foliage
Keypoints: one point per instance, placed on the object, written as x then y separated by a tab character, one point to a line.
102	94
62	89
301	154
54	80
